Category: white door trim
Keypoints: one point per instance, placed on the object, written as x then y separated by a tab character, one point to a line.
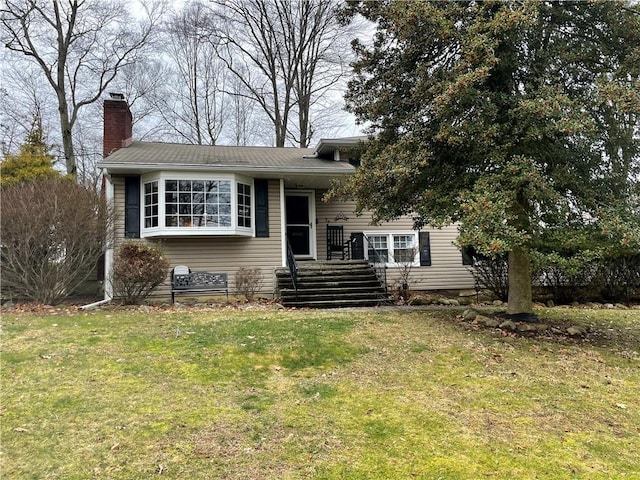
311	195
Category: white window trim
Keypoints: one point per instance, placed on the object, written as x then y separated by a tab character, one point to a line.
390	234
163	231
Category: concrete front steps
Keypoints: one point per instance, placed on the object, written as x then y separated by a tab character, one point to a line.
332	284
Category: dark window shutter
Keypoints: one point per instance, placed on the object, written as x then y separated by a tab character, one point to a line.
262	207
467	255
132	207
425	249
357	246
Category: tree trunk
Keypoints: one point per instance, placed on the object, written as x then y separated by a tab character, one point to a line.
67	136
520	282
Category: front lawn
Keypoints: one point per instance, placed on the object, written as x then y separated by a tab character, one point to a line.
351	394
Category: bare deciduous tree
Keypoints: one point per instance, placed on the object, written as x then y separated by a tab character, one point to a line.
194	103
285	53
80	46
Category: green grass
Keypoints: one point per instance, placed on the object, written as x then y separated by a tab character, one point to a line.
359	394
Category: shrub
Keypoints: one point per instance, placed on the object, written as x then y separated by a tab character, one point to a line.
492	273
567	277
618	277
248	282
138	268
53	231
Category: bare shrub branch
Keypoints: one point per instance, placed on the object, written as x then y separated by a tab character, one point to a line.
248	282
52	233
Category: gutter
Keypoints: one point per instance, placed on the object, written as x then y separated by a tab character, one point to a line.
121	168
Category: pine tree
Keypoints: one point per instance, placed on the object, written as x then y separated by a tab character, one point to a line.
33	162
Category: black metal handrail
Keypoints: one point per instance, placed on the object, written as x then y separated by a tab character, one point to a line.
292	265
378	264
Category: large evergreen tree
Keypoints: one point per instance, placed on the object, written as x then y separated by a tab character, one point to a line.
509	117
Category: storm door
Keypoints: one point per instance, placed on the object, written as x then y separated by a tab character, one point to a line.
299	219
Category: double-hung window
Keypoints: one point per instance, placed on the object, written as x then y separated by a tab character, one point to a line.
404	248
378	248
393	248
151	204
244	205
187	204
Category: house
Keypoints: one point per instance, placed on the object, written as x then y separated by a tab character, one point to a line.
218	208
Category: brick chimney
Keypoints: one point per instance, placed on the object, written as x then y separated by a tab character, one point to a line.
118	130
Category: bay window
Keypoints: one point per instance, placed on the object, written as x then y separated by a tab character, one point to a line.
151	204
244	205
195	205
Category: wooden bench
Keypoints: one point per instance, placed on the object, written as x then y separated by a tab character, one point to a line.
197	282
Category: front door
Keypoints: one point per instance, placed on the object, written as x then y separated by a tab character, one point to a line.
299	218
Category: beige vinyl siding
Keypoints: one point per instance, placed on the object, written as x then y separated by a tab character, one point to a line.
218	253
118	193
446	270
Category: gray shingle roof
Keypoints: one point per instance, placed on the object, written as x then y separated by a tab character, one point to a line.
171	155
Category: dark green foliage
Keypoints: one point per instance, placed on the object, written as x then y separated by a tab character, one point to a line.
564	277
138	269
510	117
33	162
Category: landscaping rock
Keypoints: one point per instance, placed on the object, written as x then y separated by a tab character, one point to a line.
492	322
497	303
508	325
420	300
467	293
541	327
527	327
620	306
469	314
608	306
550	304
487	321
576	331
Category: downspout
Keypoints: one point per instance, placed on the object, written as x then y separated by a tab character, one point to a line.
108	253
95	304
283	224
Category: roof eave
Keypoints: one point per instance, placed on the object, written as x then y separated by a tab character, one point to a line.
326	145
117	167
